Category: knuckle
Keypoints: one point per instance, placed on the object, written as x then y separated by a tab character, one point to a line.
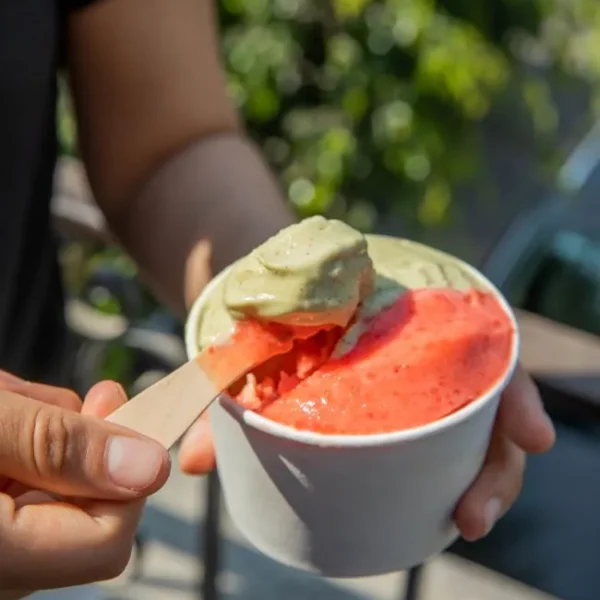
71	400
517	477
503	470
49	442
514	473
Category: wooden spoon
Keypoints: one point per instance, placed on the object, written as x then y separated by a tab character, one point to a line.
165	410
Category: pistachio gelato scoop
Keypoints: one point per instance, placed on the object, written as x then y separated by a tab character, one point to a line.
324	272
313	273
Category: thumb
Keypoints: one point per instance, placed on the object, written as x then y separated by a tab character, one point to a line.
59	451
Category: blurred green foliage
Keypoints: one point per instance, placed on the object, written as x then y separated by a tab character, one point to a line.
369	106
366	107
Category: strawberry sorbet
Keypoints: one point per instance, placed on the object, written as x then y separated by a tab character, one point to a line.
424	357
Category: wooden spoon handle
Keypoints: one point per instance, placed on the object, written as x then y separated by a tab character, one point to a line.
167	409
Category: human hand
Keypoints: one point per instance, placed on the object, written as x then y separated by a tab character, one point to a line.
71	486
522	426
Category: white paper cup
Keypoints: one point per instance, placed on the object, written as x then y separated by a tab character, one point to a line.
348	505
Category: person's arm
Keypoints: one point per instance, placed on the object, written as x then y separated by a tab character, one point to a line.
183	190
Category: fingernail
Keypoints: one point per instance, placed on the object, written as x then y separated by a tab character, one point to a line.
491	513
133	463
120	391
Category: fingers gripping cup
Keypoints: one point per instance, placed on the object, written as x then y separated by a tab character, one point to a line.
357	486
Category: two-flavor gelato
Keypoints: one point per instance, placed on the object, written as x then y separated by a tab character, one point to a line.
382	334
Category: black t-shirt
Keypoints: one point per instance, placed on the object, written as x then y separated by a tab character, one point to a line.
32	331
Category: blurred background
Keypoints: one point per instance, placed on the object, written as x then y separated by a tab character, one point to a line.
436	119
469	125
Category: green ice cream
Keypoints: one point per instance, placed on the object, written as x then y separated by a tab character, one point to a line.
313	273
322	272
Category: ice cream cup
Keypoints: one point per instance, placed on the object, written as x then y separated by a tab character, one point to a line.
349	505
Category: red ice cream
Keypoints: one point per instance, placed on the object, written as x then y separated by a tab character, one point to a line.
423	358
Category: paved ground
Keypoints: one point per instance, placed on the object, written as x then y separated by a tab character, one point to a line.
171	572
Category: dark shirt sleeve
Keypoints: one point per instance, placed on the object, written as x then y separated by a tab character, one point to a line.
66	8
71	5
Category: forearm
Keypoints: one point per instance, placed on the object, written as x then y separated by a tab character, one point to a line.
204	208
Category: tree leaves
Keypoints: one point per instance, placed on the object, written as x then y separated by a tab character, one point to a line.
373	102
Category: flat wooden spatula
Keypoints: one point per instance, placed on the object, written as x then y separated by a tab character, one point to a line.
165	410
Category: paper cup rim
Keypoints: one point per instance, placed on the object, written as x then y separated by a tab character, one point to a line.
256	421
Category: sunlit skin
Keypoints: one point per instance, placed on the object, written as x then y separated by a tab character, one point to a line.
53	541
